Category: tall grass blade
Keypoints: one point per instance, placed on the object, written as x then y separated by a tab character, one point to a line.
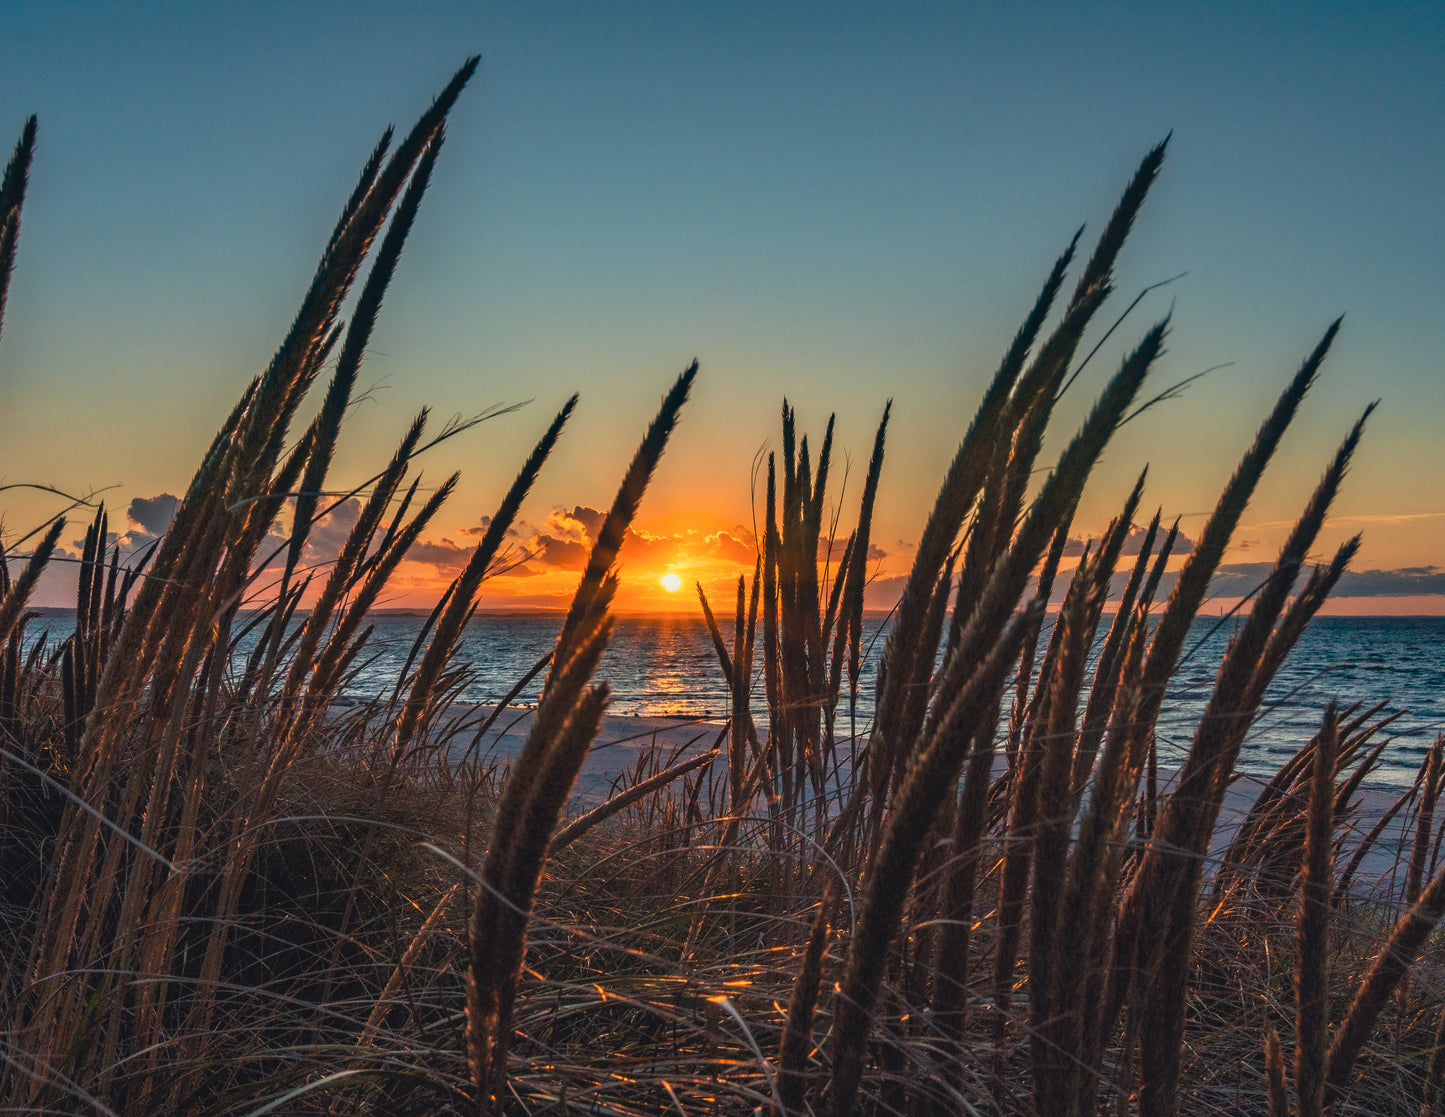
12	199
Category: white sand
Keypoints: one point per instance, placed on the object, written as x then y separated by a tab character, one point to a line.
621	744
625	741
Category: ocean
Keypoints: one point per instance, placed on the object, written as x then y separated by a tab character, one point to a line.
666	666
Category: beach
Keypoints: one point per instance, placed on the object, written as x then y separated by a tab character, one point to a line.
631	747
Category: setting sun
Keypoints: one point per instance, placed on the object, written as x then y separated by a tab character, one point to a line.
671	583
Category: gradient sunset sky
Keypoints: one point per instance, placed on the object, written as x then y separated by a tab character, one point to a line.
837	203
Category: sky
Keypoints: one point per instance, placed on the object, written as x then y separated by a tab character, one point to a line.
839	204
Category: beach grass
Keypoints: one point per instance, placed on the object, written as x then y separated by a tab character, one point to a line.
223	892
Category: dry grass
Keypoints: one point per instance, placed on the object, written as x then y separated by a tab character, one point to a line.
223	896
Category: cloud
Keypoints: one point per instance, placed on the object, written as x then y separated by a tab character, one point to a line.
563	542
1183	545
323	542
730	546
515	531
580	523
447	557
329	534
445	554
147	519
1407	581
1235	580
561	554
835	553
152	516
883	593
1241	578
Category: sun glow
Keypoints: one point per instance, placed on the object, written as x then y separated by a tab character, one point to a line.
671	583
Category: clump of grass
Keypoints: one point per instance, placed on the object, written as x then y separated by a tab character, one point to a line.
1104	925
534	795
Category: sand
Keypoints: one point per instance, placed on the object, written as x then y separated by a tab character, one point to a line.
624	743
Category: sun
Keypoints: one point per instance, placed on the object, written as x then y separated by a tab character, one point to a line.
671	583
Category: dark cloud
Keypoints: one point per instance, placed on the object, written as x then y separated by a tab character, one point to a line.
152	516
147	519
576	524
329	534
323	542
448	557
1408	581
590	519
564	542
1183	545
563	554
726	545
515	531
835	553
883	593
1238	579
446	554
77	546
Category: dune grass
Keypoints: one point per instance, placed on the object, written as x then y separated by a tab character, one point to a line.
223	894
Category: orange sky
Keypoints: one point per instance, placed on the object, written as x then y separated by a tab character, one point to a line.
686	539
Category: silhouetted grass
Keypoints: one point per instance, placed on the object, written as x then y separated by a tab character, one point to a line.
223	893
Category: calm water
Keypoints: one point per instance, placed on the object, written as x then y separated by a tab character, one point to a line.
667	666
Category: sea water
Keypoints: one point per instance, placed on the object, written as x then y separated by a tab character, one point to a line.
667	666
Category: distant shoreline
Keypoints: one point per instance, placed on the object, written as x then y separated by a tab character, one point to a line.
541	612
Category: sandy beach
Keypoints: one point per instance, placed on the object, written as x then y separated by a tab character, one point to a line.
627	744
623	745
